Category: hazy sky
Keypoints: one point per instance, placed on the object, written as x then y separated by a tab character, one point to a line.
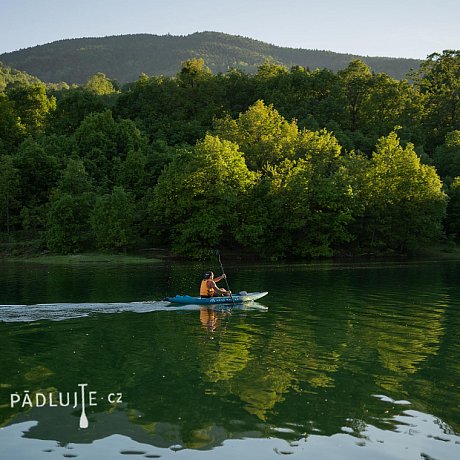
397	28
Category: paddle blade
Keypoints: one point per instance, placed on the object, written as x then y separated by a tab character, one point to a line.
83	420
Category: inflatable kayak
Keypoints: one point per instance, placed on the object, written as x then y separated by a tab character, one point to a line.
234	298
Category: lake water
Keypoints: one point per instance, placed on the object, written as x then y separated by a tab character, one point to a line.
358	361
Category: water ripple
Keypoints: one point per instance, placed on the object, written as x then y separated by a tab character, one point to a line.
64	311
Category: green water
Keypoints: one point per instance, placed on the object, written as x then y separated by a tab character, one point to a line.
358	361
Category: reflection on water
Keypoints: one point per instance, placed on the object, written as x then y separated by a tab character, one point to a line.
416	435
347	362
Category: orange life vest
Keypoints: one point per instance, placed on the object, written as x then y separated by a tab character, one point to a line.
204	290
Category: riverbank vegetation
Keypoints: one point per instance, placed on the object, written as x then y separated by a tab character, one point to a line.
85	259
286	162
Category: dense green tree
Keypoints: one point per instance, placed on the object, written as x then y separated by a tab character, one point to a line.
9	183
101	141
439	82
132	173
68	227
314	99
356	80
72	109
151	102
59	146
159	155
193	72
262	134
38	174
321	98
67	223
175	110
198	195
453	210
301	207
74	179
273	85
405	201
201	98
101	85
157	106
113	220
447	156
31	104
239	91
12	132
320	148
270	69
391	103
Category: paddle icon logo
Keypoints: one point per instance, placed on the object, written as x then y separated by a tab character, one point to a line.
82	397
83	418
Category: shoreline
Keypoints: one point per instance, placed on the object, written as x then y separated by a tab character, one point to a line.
157	255
85	258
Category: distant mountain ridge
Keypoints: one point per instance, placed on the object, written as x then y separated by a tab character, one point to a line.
125	57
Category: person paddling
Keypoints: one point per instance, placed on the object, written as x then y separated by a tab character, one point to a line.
209	288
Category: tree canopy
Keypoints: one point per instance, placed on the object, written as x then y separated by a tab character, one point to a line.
282	163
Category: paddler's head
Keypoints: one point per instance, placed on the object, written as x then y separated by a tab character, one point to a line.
209	275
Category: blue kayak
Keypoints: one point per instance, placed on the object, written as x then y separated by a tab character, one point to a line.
234	298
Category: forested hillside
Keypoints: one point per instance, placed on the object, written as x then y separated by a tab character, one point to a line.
125	57
283	163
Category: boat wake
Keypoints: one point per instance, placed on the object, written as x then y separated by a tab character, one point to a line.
64	311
